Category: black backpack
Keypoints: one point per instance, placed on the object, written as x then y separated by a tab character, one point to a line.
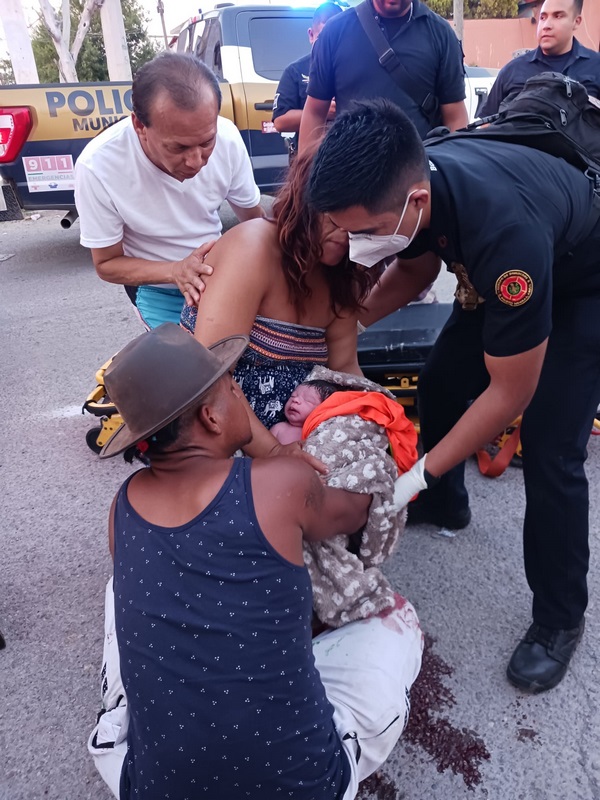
552	113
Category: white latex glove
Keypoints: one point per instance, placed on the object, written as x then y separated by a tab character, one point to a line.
409	484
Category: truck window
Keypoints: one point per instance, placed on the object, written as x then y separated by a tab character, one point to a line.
217	64
208	46
185	38
276	42
201	40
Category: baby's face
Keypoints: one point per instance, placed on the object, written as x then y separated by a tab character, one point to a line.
302	401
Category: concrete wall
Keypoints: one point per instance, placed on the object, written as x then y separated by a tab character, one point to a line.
492	42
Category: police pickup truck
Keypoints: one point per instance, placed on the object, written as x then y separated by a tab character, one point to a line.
44	128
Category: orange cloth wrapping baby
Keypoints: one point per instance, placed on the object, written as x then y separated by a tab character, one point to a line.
377	408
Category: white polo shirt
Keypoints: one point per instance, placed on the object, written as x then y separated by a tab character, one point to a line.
122	196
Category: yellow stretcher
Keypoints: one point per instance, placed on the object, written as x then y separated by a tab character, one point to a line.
99	405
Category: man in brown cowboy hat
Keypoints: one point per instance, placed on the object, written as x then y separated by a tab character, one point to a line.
227	695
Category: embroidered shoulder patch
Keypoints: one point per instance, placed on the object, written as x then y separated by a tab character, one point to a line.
514	287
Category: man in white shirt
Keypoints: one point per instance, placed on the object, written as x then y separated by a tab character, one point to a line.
148	189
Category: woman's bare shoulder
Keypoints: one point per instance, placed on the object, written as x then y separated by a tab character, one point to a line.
254	240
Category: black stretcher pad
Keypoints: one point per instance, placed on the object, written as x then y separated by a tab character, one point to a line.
402	341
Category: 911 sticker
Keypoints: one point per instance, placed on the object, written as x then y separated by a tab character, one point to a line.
514	288
49	173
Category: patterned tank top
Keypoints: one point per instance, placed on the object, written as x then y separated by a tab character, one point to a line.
279	356
274	340
216	656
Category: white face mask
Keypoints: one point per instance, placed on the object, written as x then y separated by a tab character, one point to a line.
368	249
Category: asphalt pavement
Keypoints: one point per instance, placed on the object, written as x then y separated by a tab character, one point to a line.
472	735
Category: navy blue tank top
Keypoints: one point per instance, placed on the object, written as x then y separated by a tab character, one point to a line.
214	636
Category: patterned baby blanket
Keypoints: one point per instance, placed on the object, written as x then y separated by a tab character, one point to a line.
347	587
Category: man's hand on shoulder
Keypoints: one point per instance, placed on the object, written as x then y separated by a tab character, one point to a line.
187	273
114	266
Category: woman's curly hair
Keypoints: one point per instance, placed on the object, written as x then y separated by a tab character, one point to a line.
299	233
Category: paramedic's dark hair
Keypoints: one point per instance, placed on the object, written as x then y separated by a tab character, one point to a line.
181	75
577	7
370	156
324	12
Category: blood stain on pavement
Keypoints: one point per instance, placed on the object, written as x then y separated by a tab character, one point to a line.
378	787
460	750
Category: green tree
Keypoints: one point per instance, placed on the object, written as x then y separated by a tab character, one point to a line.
91	62
6	72
477	9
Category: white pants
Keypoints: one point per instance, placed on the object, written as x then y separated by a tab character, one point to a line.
367	669
108	741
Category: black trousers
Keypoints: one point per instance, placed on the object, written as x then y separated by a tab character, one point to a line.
555	433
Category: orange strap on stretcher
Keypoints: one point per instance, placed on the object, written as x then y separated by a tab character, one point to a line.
493	467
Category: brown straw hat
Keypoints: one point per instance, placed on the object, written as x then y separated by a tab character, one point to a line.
158	376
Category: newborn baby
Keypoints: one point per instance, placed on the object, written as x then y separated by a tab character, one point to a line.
358	430
304	399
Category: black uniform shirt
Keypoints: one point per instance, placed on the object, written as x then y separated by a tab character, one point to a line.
345	65
291	91
580	64
520	222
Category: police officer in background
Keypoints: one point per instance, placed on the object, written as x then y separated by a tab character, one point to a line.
521	231
291	92
427	81
558	51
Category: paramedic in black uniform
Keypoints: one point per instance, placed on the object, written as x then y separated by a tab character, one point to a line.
521	230
291	91
558	51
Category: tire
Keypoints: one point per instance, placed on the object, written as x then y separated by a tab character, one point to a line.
91	439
